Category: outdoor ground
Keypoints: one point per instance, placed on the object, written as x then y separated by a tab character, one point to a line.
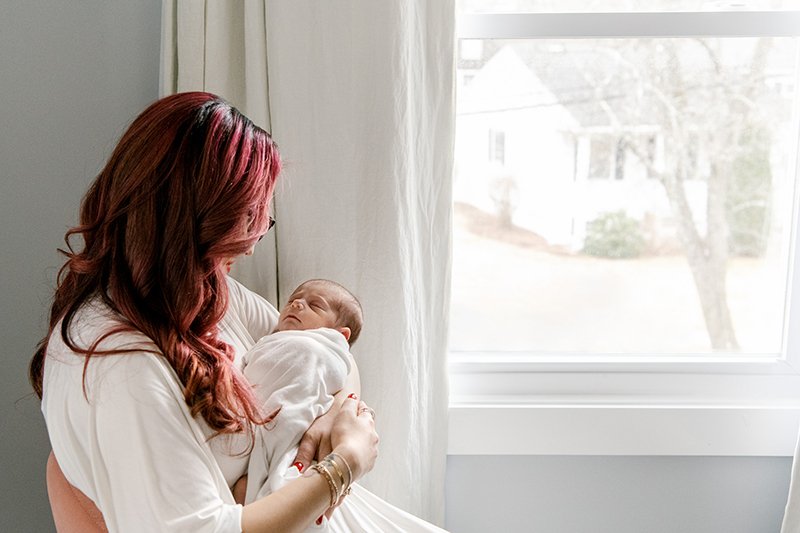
512	292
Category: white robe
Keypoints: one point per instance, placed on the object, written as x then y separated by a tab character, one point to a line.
133	448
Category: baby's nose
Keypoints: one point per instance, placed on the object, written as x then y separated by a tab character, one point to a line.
298	303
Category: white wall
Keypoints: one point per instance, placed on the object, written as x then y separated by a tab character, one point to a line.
72	74
587	494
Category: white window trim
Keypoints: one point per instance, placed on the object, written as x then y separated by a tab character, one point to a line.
610	25
589	404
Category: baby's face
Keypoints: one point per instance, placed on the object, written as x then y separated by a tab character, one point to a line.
309	307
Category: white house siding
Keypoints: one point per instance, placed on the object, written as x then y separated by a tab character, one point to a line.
547	160
506	96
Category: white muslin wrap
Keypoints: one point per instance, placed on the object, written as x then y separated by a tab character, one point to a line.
297	372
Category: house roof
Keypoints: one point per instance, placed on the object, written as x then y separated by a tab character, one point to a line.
610	83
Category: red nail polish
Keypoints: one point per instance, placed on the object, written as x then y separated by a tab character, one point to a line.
298	465
352	396
319	521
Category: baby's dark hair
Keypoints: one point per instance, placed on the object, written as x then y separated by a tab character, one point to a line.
347	307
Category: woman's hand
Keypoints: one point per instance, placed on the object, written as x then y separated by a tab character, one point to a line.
347	428
353	436
316	443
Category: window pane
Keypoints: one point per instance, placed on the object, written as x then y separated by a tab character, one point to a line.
612	6
624	196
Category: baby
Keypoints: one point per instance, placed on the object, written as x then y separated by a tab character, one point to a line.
298	369
321	303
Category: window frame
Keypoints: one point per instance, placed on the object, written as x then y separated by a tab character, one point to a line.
601	404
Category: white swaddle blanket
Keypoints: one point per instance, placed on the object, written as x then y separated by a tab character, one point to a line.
299	372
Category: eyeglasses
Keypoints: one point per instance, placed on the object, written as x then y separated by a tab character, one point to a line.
269	227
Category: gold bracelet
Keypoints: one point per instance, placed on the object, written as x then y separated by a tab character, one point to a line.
349	471
327	464
330	460
321	470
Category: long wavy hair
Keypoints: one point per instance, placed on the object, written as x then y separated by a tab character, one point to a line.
186	189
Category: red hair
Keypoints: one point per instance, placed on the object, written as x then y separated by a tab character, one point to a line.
186	189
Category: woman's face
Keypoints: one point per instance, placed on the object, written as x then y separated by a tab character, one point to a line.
227	265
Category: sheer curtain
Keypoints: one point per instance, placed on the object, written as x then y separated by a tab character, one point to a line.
360	101
791	516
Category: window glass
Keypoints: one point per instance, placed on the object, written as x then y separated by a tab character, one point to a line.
600	153
636	196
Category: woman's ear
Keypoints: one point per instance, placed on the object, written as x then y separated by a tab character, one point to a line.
346	332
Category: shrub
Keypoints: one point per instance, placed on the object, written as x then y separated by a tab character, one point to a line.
614	235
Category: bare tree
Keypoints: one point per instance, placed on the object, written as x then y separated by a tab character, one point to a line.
704	110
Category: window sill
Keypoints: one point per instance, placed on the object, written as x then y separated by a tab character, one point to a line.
622	430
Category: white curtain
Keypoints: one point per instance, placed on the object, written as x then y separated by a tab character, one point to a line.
361	103
791	516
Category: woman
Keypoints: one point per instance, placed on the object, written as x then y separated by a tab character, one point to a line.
139	369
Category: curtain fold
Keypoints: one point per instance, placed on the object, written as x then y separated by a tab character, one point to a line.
791	515
361	103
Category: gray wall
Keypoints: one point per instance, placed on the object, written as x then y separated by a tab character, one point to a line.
72	75
583	494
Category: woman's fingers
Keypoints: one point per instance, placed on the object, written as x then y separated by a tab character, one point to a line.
366	410
351	403
307	449
324	448
316	443
354	435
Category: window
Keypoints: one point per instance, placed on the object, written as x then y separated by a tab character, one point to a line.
601	150
497	147
619	160
643	252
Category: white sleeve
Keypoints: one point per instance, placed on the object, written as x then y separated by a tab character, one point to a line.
258	315
151	466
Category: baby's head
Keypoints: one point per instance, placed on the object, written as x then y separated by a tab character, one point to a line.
321	303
